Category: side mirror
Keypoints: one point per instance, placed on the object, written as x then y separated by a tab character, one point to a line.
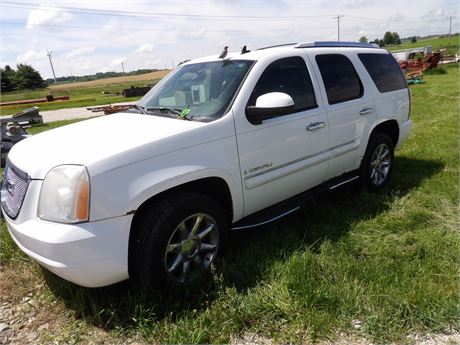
269	105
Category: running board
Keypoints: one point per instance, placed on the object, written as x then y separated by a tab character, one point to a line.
286	207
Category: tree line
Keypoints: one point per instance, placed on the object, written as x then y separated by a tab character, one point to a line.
99	75
389	38
24	77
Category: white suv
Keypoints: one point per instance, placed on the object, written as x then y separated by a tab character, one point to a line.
217	145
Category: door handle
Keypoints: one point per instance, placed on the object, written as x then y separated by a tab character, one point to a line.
366	111
316	125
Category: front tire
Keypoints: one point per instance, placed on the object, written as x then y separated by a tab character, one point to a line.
377	163
177	240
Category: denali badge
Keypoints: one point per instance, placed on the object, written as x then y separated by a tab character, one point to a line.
260	167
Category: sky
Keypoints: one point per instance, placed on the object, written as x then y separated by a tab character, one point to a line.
89	36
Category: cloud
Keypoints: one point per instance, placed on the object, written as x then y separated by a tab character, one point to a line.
87	43
118	61
31	56
47	15
397	17
146	48
358	3
113	25
439	13
81	51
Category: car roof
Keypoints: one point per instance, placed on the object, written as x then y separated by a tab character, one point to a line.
257	54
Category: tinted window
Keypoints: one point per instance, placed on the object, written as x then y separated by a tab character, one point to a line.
384	71
340	78
288	75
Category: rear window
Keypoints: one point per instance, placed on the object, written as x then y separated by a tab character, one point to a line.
340	78
384	71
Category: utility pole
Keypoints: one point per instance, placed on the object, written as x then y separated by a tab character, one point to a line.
51	63
450	29
338	26
123	66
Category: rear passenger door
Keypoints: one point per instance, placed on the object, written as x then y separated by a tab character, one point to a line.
347	106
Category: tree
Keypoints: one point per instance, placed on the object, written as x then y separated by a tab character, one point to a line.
413	40
28	78
396	39
388	38
7	79
363	39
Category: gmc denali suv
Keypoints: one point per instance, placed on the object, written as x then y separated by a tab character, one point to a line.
219	144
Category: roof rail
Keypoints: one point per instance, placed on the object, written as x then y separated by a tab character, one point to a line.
278	45
335	44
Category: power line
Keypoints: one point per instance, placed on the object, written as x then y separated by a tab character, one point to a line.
139	29
94	11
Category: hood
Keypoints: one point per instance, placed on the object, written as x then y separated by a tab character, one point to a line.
94	140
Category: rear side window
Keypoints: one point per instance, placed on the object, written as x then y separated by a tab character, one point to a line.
384	71
288	75
340	79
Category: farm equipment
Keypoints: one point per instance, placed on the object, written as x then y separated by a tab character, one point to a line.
111	109
13	129
422	64
136	91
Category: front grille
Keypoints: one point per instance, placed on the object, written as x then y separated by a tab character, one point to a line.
14	188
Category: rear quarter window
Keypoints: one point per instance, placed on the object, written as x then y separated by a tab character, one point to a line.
384	71
340	79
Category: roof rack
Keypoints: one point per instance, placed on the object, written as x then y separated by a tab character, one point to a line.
335	44
278	45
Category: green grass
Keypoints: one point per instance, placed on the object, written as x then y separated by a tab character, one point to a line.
389	259
79	97
436	43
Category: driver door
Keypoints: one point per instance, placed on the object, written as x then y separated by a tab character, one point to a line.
287	154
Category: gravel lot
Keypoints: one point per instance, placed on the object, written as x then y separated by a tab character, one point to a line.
72	113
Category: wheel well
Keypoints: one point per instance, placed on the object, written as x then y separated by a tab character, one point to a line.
389	128
214	187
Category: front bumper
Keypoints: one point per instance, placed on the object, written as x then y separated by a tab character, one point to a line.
91	254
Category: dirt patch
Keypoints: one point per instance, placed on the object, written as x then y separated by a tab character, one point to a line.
110	81
29	314
452	338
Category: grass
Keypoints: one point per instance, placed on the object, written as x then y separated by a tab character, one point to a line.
436	43
389	259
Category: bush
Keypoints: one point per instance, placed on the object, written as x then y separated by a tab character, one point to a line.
436	71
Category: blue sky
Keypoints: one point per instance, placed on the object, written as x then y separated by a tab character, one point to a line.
89	36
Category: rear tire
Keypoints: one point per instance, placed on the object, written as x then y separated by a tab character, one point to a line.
378	161
177	240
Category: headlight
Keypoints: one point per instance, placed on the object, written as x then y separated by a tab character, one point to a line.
64	196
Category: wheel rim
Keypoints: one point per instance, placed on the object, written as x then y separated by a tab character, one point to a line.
191	247
380	164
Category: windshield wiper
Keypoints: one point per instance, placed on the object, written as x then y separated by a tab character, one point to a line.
177	112
140	108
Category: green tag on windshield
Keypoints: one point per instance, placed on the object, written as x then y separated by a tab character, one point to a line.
185	112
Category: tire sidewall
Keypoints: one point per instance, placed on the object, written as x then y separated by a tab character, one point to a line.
151	268
374	142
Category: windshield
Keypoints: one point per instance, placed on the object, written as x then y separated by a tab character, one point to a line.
201	91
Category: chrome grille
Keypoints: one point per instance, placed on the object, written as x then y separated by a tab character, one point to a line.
14	188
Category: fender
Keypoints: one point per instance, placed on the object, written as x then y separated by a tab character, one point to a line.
115	195
156	182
